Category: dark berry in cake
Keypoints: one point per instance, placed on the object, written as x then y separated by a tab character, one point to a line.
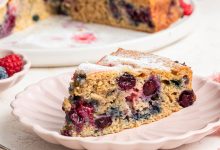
141	15
126	81
177	83
71	87
187	98
79	78
114	9
36	17
80	113
185	79
76	120
3	73
154	107
114	112
66	132
131	98
151	86
137	116
9	22
103	122
85	111
155	97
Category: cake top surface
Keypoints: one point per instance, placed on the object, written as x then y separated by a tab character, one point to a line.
126	59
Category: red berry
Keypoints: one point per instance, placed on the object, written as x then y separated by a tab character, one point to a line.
12	63
131	97
186	98
187	8
126	81
150	87
103	122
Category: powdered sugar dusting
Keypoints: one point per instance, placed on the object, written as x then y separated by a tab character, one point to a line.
144	62
92	68
120	63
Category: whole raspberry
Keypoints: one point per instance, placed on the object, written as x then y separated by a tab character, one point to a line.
12	64
187	8
3	73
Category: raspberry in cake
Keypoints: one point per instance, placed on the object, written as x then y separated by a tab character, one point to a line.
125	90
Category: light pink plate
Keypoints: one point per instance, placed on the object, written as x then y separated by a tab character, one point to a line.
39	108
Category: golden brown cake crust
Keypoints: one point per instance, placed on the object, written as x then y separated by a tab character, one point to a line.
124	90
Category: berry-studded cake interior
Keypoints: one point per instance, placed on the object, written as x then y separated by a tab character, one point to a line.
120	92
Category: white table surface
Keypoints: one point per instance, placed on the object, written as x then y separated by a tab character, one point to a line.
201	50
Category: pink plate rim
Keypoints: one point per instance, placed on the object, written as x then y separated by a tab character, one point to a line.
208	129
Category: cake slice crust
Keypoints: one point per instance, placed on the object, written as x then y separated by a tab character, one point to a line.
125	90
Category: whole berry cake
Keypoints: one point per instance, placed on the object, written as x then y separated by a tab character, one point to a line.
125	90
143	15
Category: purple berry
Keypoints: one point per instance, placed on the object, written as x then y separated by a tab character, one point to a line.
150	87
114	9
126	82
103	122
77	121
141	15
131	98
79	78
8	24
80	113
187	98
86	112
186	79
66	133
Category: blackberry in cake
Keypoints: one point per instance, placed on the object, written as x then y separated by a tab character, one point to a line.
125	90
143	15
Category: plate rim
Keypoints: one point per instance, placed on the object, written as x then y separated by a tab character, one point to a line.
210	127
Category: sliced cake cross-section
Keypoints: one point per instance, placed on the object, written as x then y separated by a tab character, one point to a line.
125	90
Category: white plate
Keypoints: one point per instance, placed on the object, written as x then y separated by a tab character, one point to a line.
39	108
51	42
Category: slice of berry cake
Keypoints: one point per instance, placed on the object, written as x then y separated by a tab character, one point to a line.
143	15
125	90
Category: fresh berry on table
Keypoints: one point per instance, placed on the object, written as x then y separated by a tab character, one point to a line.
187	8
3	73
12	64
